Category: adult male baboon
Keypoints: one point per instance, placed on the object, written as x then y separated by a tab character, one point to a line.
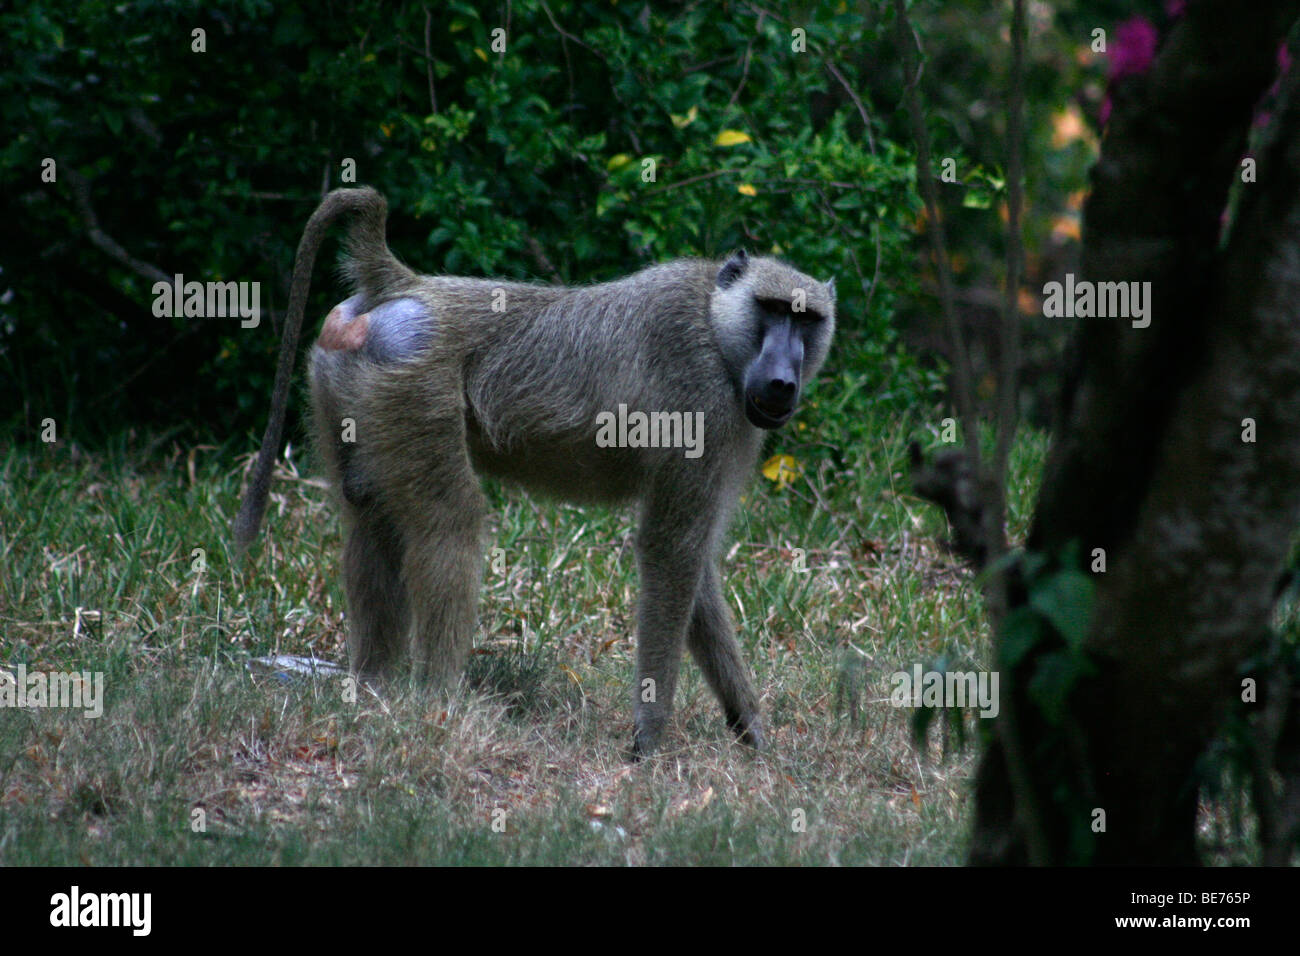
419	382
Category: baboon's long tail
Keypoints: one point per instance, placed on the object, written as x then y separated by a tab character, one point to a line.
369	214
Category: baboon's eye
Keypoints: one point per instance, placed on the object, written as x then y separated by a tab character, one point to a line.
781	309
775	308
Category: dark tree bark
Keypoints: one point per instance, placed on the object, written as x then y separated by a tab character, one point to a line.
1148	460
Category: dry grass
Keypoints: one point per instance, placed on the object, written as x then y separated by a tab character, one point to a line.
293	772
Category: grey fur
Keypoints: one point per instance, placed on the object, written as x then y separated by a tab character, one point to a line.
444	387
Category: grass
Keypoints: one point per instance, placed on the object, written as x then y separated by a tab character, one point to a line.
119	563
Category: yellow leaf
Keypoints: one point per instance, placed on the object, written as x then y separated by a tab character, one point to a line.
1028	303
745	189
681	122
1065	228
480	54
783	469
386	129
618	162
368	58
457	25
1069	126
731	137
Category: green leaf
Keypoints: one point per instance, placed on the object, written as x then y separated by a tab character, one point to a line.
1065	599
1054	678
1020	632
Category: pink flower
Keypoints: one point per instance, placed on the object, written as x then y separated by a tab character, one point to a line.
1133	48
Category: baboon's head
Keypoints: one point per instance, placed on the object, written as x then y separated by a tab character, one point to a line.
775	325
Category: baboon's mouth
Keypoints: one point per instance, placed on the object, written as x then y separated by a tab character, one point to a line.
766	415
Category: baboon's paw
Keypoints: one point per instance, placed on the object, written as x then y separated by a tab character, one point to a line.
748	729
643	747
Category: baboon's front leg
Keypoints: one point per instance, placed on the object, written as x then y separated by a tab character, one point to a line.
671	553
712	641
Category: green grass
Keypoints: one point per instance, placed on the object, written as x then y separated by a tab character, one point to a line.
101	556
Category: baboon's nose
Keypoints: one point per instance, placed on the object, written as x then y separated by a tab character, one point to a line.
780	390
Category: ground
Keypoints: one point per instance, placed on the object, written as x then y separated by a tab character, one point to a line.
118	562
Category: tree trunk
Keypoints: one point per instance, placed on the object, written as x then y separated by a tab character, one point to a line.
1148	460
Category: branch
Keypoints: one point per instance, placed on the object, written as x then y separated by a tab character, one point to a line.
862	110
99	238
744	73
1008	386
539	256
688	181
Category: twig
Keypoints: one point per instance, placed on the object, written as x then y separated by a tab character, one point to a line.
560	30
862	110
853	254
744	74
1008	387
875	275
272	197
539	256
687	182
98	237
708	63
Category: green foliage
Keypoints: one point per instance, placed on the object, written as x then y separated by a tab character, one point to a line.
533	164
1052	625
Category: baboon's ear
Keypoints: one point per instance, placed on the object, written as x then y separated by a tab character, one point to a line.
830	287
733	268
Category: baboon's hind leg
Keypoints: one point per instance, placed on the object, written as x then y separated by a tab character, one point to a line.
442	570
378	611
428	480
712	641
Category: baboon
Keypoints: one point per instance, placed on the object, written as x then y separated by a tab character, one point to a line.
421	383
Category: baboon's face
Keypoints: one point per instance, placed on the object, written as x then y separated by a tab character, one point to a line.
775	376
774	325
